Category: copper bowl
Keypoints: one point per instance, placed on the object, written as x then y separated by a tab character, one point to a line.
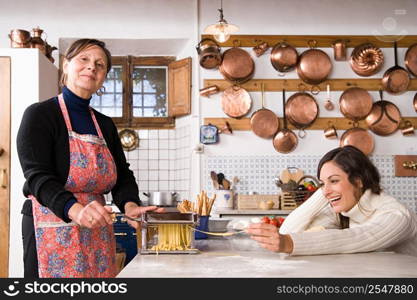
366	59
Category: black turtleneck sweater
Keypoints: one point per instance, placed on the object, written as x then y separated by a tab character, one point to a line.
43	149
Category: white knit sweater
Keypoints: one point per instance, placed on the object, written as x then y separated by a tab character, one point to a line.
378	222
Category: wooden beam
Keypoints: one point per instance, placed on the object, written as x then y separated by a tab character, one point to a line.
323	41
276	85
319	123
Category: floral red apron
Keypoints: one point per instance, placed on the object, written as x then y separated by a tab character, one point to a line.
66	249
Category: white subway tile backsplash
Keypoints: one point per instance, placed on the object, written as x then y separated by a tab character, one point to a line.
153	175
153	164
153	186
163	134
163	165
143	134
163	175
171	134
143	144
143	164
163	144
133	155
163	154
143	185
153	144
164	185
153	154
153	134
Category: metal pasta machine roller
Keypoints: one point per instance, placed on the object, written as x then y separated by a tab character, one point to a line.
168	233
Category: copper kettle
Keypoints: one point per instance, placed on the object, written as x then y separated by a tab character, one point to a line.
37	41
49	50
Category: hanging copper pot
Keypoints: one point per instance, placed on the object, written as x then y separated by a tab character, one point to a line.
19	38
236	102
355	103
314	65
384	118
301	110
264	122
366	59
396	79
285	141
410	59
209	54
237	65
359	138
284	57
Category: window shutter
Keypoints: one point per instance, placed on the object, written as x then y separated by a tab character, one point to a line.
179	87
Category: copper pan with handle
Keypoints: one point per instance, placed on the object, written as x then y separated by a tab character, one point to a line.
410	59
314	65
264	122
236	101
284	57
355	103
384	118
285	140
359	138
237	65
396	79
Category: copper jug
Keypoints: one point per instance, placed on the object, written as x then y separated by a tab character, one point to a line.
37	41
19	38
49	50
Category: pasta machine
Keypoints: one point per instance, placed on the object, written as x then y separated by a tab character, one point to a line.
169	232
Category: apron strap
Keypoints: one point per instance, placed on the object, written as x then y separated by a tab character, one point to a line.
100	134
64	112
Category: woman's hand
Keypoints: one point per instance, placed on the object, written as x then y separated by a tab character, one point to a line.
92	215
268	237
134	211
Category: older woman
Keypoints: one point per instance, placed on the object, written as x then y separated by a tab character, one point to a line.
349	214
71	155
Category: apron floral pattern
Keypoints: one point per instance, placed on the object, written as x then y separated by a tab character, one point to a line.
66	250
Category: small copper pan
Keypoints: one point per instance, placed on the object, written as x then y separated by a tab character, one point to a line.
314	65
284	57
410	59
384	118
264	122
237	65
285	140
236	102
301	109
359	138
396	79
355	103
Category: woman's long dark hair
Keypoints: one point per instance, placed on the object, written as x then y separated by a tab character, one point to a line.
358	166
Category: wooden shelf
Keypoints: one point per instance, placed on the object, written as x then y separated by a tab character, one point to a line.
323	41
319	124
276	85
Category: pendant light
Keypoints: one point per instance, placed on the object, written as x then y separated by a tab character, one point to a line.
221	31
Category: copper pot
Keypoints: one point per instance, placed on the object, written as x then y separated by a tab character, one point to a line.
285	140
301	110
237	65
366	59
209	54
284	57
236	102
396	79
355	103
314	65
410	59
37	41
264	122
19	38
339	49
359	138
384	118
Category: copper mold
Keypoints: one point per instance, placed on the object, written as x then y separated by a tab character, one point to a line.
366	59
236	102
355	103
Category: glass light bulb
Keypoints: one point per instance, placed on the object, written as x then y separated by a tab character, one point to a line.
221	36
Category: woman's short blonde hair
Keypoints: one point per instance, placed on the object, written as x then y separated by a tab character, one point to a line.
77	47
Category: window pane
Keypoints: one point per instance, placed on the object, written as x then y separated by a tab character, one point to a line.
111	102
150	89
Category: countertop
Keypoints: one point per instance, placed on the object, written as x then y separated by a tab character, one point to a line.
242	257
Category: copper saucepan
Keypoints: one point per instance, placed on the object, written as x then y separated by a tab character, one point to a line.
358	137
314	65
410	59
301	110
384	118
396	79
264	122
285	140
284	57
209	54
236	102
366	59
237	65
355	103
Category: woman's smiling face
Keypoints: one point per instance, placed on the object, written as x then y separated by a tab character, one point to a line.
339	191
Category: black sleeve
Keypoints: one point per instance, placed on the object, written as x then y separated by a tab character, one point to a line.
126	188
35	145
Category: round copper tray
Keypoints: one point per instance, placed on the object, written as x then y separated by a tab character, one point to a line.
236	102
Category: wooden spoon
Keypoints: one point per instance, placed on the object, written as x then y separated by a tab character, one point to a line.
285	176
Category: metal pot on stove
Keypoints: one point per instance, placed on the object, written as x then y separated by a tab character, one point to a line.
162	198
